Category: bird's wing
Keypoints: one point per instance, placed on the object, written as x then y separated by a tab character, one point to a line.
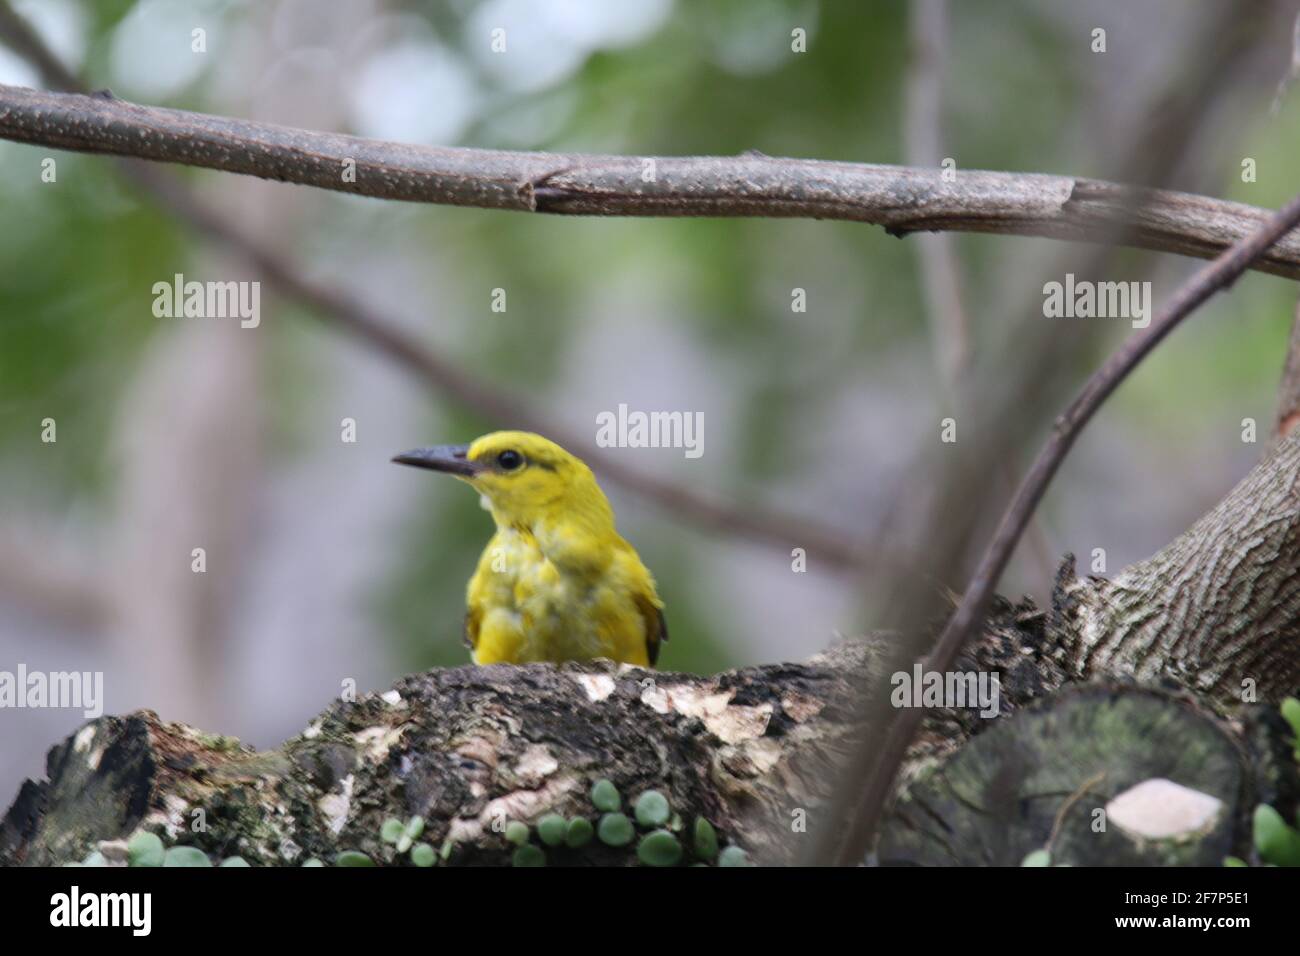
473	618
656	628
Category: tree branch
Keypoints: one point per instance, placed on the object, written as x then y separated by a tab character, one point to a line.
1207	280
902	199
1218	607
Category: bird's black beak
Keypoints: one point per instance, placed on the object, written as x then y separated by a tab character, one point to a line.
451	459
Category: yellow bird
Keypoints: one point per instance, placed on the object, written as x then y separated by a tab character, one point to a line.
556	582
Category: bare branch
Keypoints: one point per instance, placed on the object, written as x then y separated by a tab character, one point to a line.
1207	280
901	199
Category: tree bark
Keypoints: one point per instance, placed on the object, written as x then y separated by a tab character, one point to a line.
1219	608
901	199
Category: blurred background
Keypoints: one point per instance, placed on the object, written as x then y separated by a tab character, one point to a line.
326	563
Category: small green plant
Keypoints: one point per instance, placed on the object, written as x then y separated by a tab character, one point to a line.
1291	713
605	796
145	849
706	840
615	829
579	833
1277	843
423	855
733	856
185	856
663	840
552	829
402	835
659	848
353	858
652	809
528	855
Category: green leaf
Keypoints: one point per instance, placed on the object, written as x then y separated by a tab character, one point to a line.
353	858
733	856
185	856
517	833
1037	858
652	809
659	848
423	855
551	829
313	862
1234	861
706	840
1291	713
579	834
615	829
145	849
605	796
528	855
1277	843
233	861
392	830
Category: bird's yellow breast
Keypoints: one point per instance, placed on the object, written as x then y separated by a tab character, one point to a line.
578	604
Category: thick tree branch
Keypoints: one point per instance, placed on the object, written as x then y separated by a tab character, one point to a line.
1219	607
901	199
468	749
752	751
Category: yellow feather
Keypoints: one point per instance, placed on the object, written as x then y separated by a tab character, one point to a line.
556	581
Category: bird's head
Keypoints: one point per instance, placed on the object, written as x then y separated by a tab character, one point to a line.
527	479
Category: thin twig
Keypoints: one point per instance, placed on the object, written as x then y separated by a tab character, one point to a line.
1207	280
900	198
1059	822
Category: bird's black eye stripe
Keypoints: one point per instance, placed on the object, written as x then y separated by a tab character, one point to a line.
510	459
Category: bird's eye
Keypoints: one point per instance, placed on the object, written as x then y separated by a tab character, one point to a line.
510	459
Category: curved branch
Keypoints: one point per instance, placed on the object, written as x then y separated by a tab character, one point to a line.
902	199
